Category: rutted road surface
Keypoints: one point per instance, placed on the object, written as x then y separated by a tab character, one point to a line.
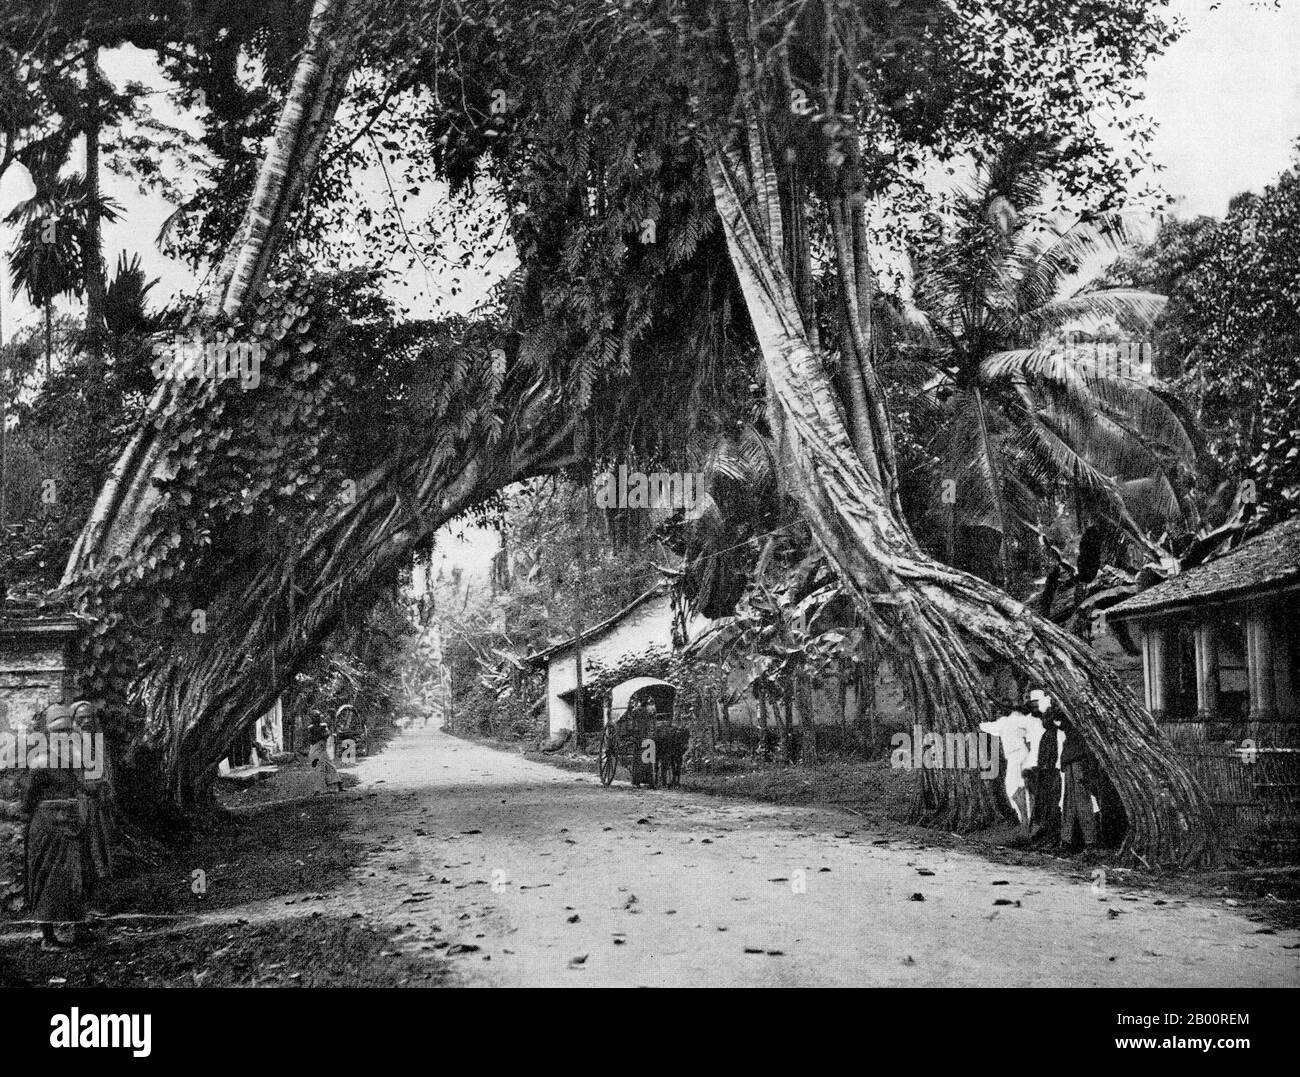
559	881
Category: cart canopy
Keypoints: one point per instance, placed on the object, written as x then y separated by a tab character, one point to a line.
623	692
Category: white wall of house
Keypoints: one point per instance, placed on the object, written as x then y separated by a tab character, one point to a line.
647	628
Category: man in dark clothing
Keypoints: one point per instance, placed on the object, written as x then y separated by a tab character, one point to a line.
1078	768
1043	779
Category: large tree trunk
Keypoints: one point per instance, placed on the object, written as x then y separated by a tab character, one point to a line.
203	691
129	496
937	625
263	626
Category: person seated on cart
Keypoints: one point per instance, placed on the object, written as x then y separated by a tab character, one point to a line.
643	711
641	727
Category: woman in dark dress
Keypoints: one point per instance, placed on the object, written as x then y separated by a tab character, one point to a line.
55	880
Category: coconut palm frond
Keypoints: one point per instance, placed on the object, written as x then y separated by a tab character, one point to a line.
1105	444
1089	311
1044	275
1135	410
1044	454
966	452
1153	503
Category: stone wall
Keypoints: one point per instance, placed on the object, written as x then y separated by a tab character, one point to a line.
34	672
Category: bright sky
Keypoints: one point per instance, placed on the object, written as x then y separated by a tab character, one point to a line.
1226	97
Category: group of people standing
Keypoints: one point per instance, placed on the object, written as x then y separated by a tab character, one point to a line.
1055	784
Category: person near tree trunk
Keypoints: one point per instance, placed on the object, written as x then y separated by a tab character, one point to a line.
318	754
1043	778
1078	769
55	876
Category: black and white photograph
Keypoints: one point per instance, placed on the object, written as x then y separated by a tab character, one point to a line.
650	493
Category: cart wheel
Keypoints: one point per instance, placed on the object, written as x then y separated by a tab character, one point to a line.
608	760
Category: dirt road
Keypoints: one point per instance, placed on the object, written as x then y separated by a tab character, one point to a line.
454	863
557	880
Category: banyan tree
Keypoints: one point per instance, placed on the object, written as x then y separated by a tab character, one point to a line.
694	190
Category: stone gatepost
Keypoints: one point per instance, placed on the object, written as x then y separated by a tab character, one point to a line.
35	670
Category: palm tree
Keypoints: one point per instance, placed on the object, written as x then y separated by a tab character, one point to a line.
1018	416
49	256
126	299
